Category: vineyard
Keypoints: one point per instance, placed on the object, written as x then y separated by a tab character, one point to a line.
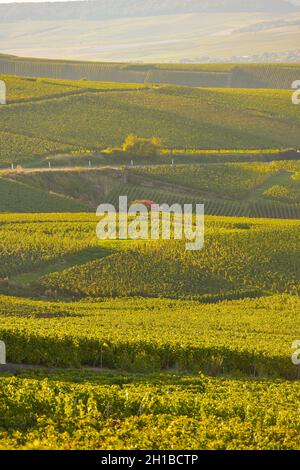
275	76
22	89
226	264
226	267
268	208
16	196
220	180
228	366
267	190
22	148
287	188
91	411
39	118
246	337
43	239
122	344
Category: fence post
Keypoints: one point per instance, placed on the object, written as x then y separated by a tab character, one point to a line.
2	92
108	410
2	353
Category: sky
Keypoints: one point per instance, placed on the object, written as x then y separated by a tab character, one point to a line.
36	1
39	1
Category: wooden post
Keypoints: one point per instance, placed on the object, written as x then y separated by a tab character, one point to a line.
2	92
2	353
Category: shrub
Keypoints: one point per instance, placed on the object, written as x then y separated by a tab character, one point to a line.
140	147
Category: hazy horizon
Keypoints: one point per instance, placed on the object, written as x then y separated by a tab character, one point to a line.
297	2
152	30
41	1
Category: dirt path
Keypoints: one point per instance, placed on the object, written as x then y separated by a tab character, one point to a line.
10	367
59	169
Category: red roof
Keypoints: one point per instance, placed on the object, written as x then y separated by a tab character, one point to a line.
146	202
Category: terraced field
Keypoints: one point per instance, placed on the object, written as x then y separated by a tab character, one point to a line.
220	180
183	118
264	189
234	189
274	76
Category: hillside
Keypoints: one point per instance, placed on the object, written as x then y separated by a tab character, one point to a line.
153	31
216	272
274	76
19	197
264	190
103	9
180	332
218	363
59	255
37	124
198	128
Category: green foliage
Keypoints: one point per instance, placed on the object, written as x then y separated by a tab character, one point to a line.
180	117
237	316
139	147
16	148
228	189
18	197
165	269
21	89
244	337
42	239
232	180
282	193
84	188
76	410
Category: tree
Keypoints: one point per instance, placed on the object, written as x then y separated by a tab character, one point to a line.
136	146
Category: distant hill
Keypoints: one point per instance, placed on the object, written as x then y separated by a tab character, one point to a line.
103	9
153	30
